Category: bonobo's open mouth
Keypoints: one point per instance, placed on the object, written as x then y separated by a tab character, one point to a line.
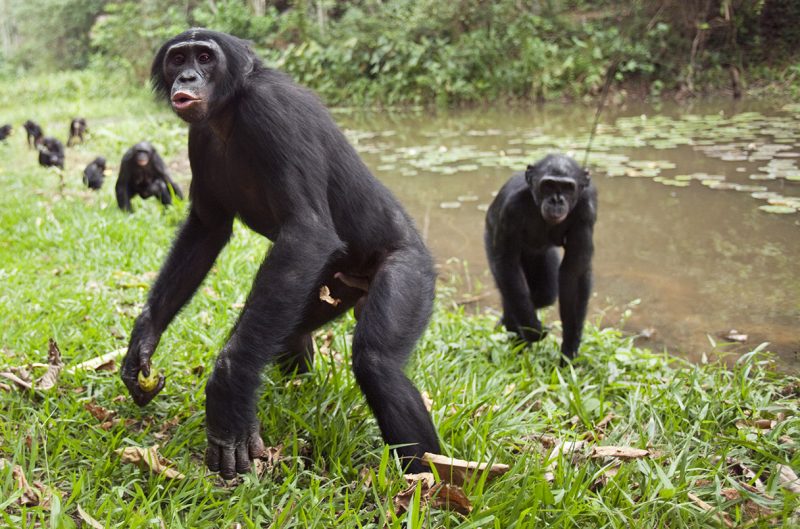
182	100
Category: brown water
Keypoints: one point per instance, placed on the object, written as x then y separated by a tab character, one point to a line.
702	261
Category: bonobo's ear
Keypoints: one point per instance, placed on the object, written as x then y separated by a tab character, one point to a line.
529	174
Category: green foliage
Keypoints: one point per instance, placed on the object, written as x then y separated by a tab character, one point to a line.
428	51
129	33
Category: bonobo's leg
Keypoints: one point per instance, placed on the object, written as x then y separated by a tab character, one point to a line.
397	309
300	351
541	273
519	314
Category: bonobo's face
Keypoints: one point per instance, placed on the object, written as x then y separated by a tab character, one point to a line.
191	69
556	183
142	158
557	196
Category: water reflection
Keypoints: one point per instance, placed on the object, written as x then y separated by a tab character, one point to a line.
702	260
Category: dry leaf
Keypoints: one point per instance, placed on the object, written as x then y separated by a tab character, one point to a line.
87	519
325	295
721	516
99	363
24	384
605	421
54	367
458	471
149	458
788	478
426	399
31	496
438	495
620	452
98	412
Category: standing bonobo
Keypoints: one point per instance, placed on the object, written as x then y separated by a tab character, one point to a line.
267	151
77	128
142	172
553	203
34	133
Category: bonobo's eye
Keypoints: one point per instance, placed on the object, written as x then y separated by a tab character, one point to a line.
204	58
178	59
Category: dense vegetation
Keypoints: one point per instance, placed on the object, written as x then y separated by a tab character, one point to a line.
424	51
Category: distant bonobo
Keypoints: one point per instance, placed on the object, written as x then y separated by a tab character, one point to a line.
94	174
266	151
77	128
5	132
34	133
142	172
51	153
551	204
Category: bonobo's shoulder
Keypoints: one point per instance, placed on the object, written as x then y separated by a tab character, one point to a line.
515	187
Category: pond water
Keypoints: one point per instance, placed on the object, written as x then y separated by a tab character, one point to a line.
698	228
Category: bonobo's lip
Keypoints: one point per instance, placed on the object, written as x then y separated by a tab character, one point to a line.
556	220
182	100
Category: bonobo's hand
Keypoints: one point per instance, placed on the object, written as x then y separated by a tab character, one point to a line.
144	340
232	430
531	335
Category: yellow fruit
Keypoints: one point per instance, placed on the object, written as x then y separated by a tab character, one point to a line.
148	384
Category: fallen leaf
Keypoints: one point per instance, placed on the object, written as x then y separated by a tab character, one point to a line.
735	336
149	458
98	363
98	412
325	295
438	495
721	516
619	452
24	384
788	479
54	367
91	522
605	421
31	496
459	471
426	399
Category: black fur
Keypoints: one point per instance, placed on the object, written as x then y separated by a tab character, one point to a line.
267	151
522	236
77	128
5	132
94	174
147	180
51	152
34	133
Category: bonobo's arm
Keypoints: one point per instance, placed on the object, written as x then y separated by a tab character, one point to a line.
195	248
123	187
160	169
574	285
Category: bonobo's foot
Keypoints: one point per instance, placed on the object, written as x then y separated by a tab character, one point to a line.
232	452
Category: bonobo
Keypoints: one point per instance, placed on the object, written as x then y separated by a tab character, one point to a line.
142	172
553	203
77	128
5	132
34	133
51	153
267	151
94	174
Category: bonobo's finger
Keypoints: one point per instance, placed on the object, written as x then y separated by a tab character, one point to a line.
242	459
212	457
256	446
227	462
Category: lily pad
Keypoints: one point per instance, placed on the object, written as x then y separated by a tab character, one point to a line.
781	210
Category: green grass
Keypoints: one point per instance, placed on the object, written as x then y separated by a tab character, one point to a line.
73	268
